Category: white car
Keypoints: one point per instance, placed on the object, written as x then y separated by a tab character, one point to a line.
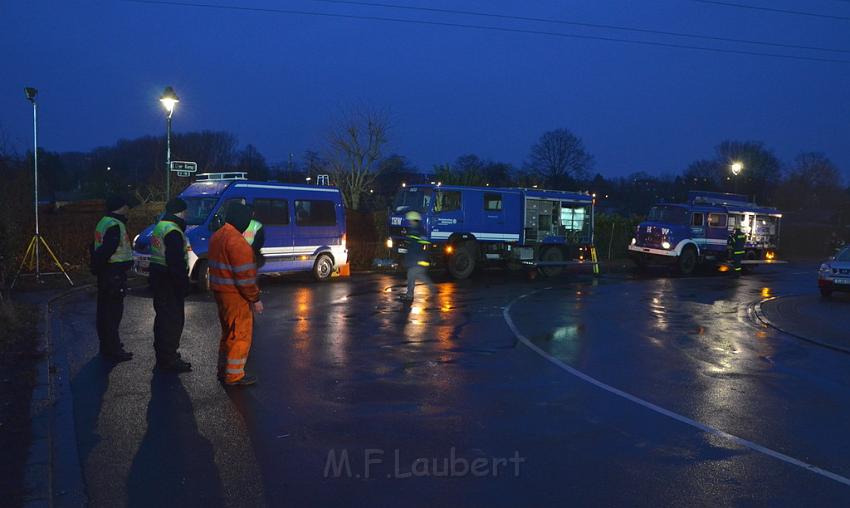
834	274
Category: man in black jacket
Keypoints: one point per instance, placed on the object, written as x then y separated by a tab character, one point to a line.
111	257
169	279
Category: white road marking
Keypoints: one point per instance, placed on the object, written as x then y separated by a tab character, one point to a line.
660	410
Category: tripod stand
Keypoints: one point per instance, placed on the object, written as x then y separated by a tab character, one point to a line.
31	256
31	260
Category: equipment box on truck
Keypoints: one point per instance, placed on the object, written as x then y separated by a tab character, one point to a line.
688	234
474	226
304	224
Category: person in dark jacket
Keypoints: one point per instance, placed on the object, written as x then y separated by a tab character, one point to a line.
111	257
169	279
735	245
416	258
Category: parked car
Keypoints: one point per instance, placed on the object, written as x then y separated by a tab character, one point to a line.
304	225
834	273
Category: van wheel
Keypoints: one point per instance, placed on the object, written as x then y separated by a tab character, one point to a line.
202	275
324	268
552	255
462	262
687	260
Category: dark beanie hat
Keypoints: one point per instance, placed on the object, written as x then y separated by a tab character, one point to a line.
175	205
114	202
239	216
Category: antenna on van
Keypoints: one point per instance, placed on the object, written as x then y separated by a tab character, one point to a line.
323	180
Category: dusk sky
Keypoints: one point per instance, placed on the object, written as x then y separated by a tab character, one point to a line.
276	80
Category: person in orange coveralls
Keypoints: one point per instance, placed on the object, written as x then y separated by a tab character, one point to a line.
233	280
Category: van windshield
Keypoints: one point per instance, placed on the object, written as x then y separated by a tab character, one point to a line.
199	208
668	214
413	198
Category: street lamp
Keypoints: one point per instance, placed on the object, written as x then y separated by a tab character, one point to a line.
168	99
736	167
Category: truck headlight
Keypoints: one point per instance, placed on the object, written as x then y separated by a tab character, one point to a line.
634	241
665	245
389	243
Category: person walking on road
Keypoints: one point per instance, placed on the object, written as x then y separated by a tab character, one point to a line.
416	259
735	245
111	257
233	280
169	279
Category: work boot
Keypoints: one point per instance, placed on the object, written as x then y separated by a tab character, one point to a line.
175	366
245	381
117	356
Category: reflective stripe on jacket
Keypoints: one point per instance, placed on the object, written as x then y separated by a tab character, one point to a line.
251	232
231	264
124	252
162	229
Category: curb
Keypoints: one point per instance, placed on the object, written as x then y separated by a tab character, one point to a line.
759	314
39	474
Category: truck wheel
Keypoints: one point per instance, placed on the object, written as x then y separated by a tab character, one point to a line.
687	260
825	292
202	275
552	255
640	262
324	268
462	262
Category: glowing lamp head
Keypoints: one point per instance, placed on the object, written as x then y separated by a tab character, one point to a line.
736	167
169	99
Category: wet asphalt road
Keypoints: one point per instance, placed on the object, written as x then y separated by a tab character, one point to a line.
345	368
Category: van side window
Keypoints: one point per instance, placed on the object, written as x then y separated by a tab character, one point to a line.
271	212
717	220
315	213
447	201
697	220
492	202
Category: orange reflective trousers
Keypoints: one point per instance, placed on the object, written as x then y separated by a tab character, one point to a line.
237	326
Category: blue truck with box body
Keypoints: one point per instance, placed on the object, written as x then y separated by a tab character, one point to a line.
474	226
695	232
304	225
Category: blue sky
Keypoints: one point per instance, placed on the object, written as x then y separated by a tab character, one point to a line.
277	80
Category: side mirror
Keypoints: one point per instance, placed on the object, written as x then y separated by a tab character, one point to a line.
216	223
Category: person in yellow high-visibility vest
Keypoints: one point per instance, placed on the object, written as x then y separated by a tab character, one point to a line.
416	258
169	279
111	257
255	235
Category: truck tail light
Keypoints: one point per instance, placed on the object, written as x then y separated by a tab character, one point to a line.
449	249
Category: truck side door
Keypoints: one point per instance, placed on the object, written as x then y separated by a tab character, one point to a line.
698	228
277	227
448	214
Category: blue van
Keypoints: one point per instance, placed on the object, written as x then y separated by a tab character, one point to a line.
304	225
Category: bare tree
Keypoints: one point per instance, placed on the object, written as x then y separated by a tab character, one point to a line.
355	145
559	157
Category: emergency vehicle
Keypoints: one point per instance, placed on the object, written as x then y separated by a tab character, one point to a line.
469	227
697	231
304	225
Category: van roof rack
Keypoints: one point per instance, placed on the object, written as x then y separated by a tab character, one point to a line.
233	175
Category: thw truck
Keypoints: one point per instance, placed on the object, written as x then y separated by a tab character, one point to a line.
695	232
473	226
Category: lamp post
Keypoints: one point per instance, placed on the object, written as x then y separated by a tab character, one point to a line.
169	100
31	93
736	167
